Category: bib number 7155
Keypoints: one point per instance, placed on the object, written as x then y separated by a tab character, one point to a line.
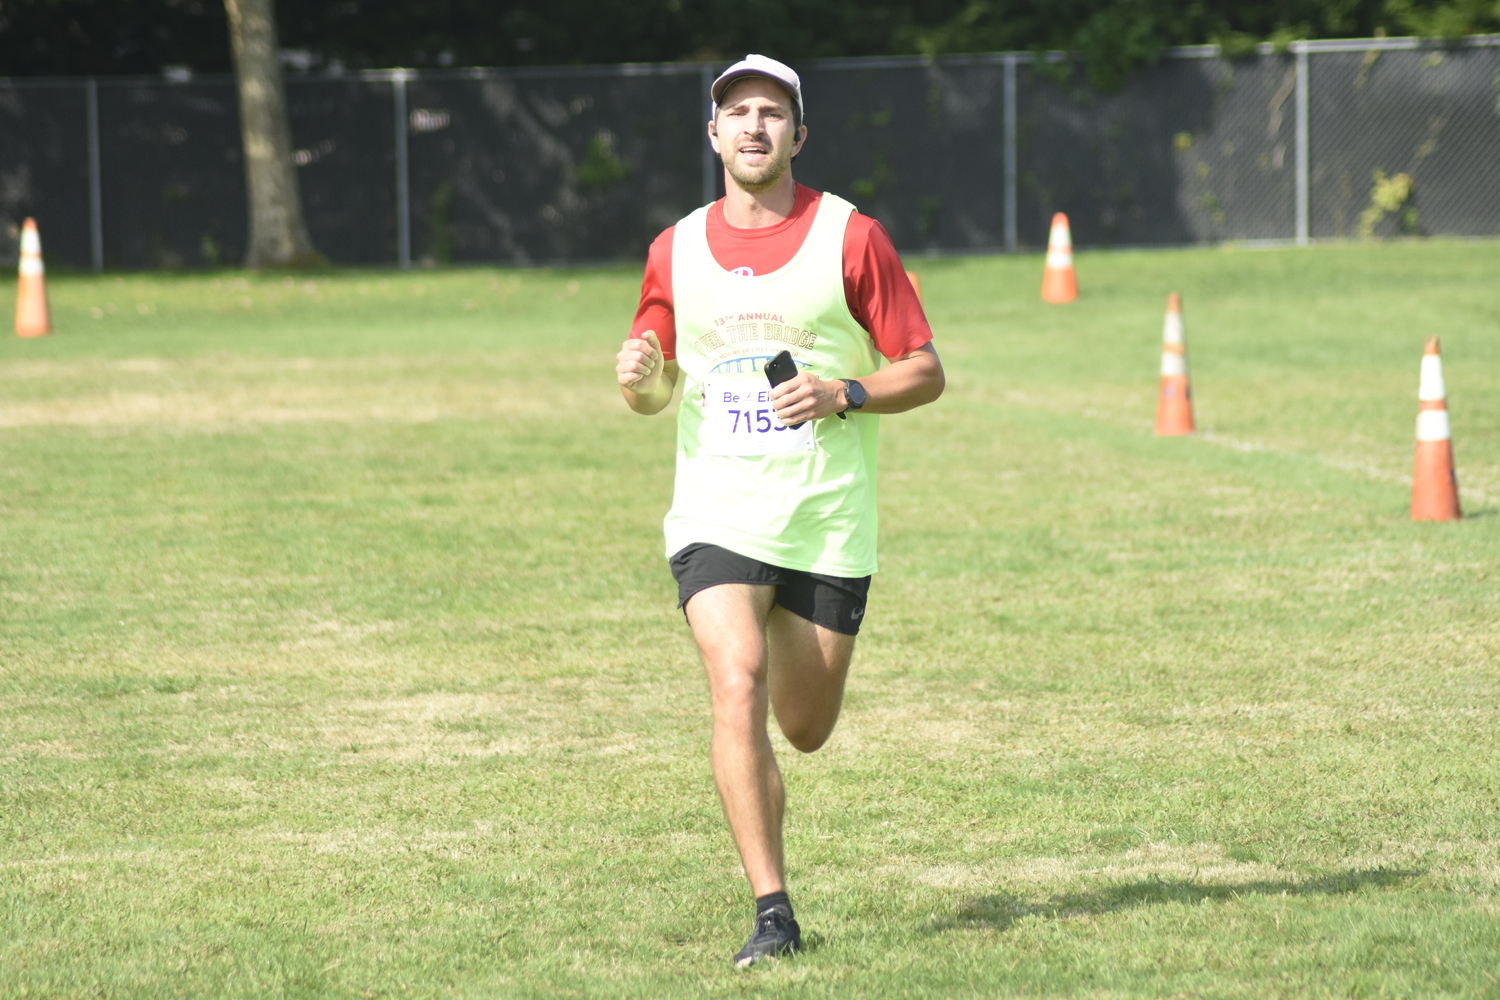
740	420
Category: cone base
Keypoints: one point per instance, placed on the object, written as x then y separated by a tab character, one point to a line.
1174	407
32	319
1434	483
32	328
1059	285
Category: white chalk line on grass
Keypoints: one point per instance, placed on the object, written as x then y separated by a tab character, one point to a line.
1365	469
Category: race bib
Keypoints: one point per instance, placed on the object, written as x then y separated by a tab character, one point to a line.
738	419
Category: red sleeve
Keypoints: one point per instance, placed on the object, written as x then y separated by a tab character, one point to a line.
879	294
655	311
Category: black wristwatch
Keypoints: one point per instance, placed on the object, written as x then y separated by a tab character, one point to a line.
855	394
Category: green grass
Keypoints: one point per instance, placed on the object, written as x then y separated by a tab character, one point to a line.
338	655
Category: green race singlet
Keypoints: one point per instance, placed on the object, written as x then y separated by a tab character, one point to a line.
800	499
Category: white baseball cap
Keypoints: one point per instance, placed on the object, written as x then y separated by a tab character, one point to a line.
757	65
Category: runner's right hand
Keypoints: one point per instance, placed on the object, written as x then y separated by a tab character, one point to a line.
639	363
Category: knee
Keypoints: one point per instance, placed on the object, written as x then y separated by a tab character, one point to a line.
807	739
737	693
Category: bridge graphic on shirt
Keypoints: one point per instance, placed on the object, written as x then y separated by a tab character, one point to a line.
748	365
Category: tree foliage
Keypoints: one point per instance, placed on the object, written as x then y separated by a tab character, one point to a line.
65	37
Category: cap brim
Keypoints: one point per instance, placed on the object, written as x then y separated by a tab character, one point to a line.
723	83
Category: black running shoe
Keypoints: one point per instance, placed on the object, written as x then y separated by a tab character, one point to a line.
776	934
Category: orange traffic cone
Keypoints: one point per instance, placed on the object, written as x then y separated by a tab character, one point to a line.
31	299
1059	283
916	284
1434	484
1174	406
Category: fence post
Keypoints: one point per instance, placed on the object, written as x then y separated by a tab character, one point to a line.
96	182
1302	152
1010	151
710	175
403	177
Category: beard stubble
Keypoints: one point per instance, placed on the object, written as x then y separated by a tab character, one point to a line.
760	179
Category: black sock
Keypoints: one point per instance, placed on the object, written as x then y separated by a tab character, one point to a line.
771	899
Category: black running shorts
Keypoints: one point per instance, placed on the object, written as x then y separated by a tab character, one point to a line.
834	602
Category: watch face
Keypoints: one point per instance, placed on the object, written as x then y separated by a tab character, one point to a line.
856	395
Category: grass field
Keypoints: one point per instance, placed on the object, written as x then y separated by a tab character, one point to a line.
338	655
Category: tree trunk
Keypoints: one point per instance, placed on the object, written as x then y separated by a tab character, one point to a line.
278	234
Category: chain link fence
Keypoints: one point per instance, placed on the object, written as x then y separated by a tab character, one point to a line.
1193	150
1431	117
1327	140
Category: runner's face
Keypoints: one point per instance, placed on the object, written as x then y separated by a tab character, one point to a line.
753	133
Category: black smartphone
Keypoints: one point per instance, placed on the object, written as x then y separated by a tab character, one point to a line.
782	369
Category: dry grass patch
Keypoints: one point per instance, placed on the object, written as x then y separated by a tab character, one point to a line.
211	394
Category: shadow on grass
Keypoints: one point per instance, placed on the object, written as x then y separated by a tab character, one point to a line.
1000	910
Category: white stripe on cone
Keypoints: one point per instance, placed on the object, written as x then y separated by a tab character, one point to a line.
1432	425
1172	332
1173	364
1059	247
1431	388
31	252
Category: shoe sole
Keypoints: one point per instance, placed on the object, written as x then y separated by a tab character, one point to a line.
745	963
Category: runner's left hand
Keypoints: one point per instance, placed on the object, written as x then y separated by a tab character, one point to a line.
807	397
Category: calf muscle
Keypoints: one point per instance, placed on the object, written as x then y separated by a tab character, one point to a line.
758	657
808	665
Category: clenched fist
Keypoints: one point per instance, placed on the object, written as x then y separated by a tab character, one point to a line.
639	363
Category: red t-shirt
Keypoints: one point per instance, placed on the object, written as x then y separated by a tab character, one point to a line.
879	294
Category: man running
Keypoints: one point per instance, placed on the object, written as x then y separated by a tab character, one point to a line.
771	534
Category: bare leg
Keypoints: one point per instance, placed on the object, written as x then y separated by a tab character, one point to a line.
757	655
729	624
808	665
